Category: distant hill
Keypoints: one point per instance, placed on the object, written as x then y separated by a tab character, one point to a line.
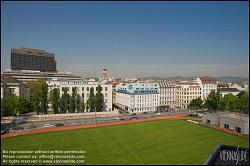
168	78
152	78
230	78
239	80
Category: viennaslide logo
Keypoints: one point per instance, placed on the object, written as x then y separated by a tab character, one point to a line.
229	155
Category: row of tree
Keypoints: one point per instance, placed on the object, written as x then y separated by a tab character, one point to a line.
75	102
230	102
40	99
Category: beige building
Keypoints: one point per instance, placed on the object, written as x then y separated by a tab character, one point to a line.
11	86
186	92
167	95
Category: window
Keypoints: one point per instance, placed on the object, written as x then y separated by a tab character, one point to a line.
96	88
106	95
106	100
82	95
82	88
226	126
87	88
12	90
106	88
208	121
238	129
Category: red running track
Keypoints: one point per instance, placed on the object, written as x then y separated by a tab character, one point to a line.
55	129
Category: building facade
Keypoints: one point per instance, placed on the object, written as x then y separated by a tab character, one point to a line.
11	86
25	76
167	95
186	92
32	59
138	97
83	89
233	121
225	91
207	85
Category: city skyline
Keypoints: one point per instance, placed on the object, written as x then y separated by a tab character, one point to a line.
132	39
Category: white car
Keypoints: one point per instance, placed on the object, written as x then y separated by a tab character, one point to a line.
48	125
158	113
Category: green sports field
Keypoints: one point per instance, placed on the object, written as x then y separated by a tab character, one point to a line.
152	142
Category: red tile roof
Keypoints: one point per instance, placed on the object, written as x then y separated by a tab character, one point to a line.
207	79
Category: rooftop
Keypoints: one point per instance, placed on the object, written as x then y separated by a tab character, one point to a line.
229	90
32	51
207	79
8	79
232	115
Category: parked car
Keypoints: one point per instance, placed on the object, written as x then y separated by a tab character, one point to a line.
134	114
5	128
3	131
133	117
48	125
59	124
158	113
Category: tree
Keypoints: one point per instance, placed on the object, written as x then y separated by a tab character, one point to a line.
23	106
222	105
73	100
44	98
35	94
243	103
54	98
78	103
91	100
196	103
83	104
213	100
6	107
64	100
230	102
14	105
99	99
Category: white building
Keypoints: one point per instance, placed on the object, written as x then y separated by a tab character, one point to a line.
138	97
225	91
240	88
207	85
167	95
186	92
11	86
83	89
30	75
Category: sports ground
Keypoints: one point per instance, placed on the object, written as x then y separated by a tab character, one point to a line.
168	141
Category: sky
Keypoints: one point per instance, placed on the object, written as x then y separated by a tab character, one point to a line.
132	39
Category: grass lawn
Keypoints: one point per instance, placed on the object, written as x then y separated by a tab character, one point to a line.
154	142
